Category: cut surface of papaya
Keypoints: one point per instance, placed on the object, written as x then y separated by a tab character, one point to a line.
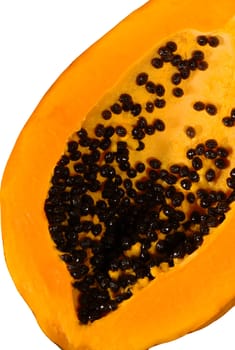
118	198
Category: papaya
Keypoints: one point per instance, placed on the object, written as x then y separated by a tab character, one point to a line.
117	200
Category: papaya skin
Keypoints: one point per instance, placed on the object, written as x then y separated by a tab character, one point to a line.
22	198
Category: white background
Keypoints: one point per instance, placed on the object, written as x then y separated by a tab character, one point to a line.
38	40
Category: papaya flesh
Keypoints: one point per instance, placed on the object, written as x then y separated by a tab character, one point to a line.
157	92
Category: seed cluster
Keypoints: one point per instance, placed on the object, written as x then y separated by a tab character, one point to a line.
114	221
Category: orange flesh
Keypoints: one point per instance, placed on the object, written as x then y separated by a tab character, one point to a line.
25	235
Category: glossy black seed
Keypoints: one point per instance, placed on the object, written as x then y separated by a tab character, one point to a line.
176	59
185	73
222	152
150	87
64	160
210	154
178	92
116	108
141	146
202	40
105	144
149	107
160	90
190	132
202	65
194	176
141	78
175	168
228	121
232	173
109	131
184	171
109	157
177	199
140	167
210	175
200	149
155	163
149	129
138	133
125	98
131	173
220	163
191	197
199	106
211	143
96	229
136	109
72	146
157	62
213	41
99	130
192	64
176	78
197	163
106	114
186	184
211	109
159	102
159	125
171	45
190	153
165	53
231	182
198	55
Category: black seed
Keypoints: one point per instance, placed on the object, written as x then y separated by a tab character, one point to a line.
159	125
138	133
141	146
176	59
199	106
136	109
131	173
109	131
220	163
232	172
142	78
228	121
171	45
120	131
116	108
150	87
211	143
192	64
210	175
200	149
191	153
155	163
175	168
160	90
202	65
210	154
99	130
157	62
184	171
222	152
72	146
190	132
213	41
140	167
231	182
191	197
184	73
109	157
186	184
149	107
198	55
149	129
202	40
178	92
176	78
211	109
125	98
165	54
106	114
105	144
177	199
159	102
197	163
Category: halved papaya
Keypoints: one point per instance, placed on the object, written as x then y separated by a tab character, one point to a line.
118	198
